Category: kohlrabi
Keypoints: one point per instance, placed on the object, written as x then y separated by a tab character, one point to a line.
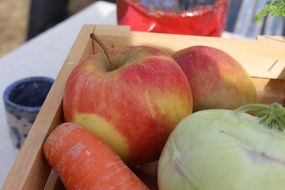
226	150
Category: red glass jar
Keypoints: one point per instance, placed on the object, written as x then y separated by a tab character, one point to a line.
207	20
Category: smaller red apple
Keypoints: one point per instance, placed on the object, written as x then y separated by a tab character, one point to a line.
217	80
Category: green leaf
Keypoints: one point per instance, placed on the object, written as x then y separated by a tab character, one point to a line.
273	8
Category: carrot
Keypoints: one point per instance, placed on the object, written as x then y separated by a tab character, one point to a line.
82	161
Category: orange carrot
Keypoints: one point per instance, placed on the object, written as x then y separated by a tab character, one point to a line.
84	162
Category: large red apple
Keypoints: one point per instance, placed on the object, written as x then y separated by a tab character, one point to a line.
217	80
132	103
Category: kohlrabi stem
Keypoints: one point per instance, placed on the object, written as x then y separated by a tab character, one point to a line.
272	116
101	44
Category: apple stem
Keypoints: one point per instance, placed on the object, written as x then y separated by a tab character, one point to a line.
101	44
273	116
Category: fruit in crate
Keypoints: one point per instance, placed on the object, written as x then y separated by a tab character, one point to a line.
217	79
132	101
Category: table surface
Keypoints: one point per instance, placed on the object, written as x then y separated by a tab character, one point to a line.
44	56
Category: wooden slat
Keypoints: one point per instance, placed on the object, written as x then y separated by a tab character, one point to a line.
269	90
112	30
259	58
51	181
272	39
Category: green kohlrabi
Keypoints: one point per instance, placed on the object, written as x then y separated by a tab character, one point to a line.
226	150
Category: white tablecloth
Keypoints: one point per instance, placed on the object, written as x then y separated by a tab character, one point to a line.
44	56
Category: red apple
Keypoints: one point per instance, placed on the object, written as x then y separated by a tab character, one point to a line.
217	80
132	103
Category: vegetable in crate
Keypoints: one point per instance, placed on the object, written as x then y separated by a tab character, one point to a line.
84	162
226	150
217	80
131	101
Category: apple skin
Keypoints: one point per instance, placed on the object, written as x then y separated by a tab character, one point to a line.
217	80
132	104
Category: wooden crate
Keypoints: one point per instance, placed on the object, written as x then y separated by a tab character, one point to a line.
264	59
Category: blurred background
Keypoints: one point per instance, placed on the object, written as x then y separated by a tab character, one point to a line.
13	23
14	16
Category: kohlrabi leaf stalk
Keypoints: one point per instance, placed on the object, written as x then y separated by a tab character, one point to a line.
272	116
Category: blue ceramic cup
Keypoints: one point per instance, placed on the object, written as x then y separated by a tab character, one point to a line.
23	100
